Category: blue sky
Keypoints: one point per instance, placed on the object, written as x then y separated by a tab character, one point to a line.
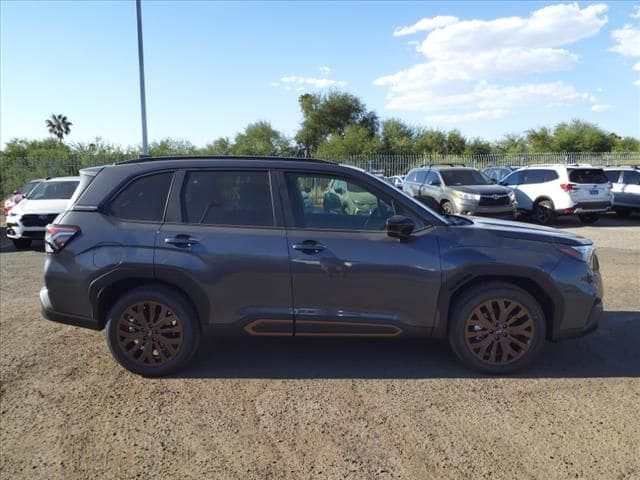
486	68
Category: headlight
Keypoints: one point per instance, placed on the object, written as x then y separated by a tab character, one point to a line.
466	196
584	253
12	213
511	195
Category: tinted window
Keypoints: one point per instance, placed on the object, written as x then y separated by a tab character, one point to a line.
29	187
433	178
227	198
540	176
464	177
612	175
411	177
143	199
61	190
515	178
315	204
631	177
587	175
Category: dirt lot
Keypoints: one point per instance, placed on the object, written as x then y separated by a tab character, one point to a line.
294	408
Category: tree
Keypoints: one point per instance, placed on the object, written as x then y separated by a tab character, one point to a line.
220	146
59	126
357	140
512	143
579	136
430	141
170	146
396	137
331	113
261	138
477	146
540	140
456	143
626	144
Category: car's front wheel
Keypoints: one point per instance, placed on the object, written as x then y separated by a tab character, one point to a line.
21	243
152	331
497	328
544	212
589	217
447	208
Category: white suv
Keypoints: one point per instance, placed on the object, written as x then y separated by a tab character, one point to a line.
28	219
546	191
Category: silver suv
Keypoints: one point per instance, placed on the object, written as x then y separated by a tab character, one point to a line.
625	186
459	190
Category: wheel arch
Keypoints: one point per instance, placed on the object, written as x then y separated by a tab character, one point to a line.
549	300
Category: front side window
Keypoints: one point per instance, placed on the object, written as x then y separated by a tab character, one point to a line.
227	198
143	199
421	176
631	177
515	178
316	205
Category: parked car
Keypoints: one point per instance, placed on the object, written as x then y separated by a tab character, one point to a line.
161	251
498	173
18	195
27	220
547	191
397	181
459	190
625	185
348	198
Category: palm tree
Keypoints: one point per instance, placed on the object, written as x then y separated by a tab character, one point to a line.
58	125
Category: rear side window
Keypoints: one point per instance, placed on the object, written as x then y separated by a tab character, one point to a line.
540	176
227	198
421	176
587	175
143	199
631	177
612	175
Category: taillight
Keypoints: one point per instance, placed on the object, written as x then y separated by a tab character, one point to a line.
567	186
57	236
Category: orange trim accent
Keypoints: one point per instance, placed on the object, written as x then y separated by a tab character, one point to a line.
250	328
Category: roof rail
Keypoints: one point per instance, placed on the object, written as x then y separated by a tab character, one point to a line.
143	159
443	165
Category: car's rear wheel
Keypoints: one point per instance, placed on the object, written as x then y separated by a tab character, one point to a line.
544	212
497	328
21	243
589	217
152	331
447	208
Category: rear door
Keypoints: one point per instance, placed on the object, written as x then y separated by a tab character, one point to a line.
630	189
224	241
590	185
349	277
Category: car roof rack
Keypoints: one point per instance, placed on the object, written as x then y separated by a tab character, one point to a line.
443	165
143	158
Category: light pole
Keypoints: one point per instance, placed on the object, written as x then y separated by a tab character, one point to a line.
143	99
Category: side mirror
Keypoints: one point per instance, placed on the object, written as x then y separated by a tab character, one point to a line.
400	227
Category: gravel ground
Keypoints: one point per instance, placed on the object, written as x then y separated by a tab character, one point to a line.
303	408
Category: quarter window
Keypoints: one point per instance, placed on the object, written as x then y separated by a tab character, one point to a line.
143	199
227	198
317	204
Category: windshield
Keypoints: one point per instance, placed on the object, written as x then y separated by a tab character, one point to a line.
464	177
29	187
54	190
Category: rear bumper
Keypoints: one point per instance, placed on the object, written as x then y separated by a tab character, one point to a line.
49	312
586	207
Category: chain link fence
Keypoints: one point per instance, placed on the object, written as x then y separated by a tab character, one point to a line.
14	172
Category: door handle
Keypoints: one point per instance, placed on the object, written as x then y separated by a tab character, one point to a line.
308	246
181	240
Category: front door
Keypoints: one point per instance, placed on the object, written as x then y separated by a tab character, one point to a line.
348	276
224	245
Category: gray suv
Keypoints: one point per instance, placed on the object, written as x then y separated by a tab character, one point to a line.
159	252
460	190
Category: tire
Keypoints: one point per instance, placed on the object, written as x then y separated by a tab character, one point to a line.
447	208
623	212
544	212
474	336
173	331
589	217
21	243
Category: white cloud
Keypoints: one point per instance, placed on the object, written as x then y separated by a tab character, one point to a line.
300	83
325	70
636	67
471	65
467	116
600	107
424	25
637	82
636	12
627	41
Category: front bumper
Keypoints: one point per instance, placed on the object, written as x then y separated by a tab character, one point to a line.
50	313
16	230
466	207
